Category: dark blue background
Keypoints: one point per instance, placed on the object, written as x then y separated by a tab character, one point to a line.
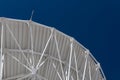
94	23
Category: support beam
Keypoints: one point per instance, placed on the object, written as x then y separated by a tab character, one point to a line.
89	71
24	77
1	53
31	35
97	69
19	62
44	49
70	58
57	71
86	59
1	66
58	51
72	78
17	44
76	65
26	51
42	63
41	77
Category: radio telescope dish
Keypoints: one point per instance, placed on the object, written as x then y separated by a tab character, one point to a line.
32	51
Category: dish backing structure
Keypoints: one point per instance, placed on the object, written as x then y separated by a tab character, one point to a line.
32	51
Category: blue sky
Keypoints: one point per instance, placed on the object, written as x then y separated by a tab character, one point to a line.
94	23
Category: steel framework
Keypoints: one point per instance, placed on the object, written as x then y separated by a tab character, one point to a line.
32	51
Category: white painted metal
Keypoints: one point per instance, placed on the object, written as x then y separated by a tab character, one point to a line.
57	72
63	75
89	70
31	33
76	66
71	51
86	60
1	54
32	51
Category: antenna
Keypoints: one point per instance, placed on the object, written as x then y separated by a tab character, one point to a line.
67	66
32	14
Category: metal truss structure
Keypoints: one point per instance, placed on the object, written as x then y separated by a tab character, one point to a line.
32	51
